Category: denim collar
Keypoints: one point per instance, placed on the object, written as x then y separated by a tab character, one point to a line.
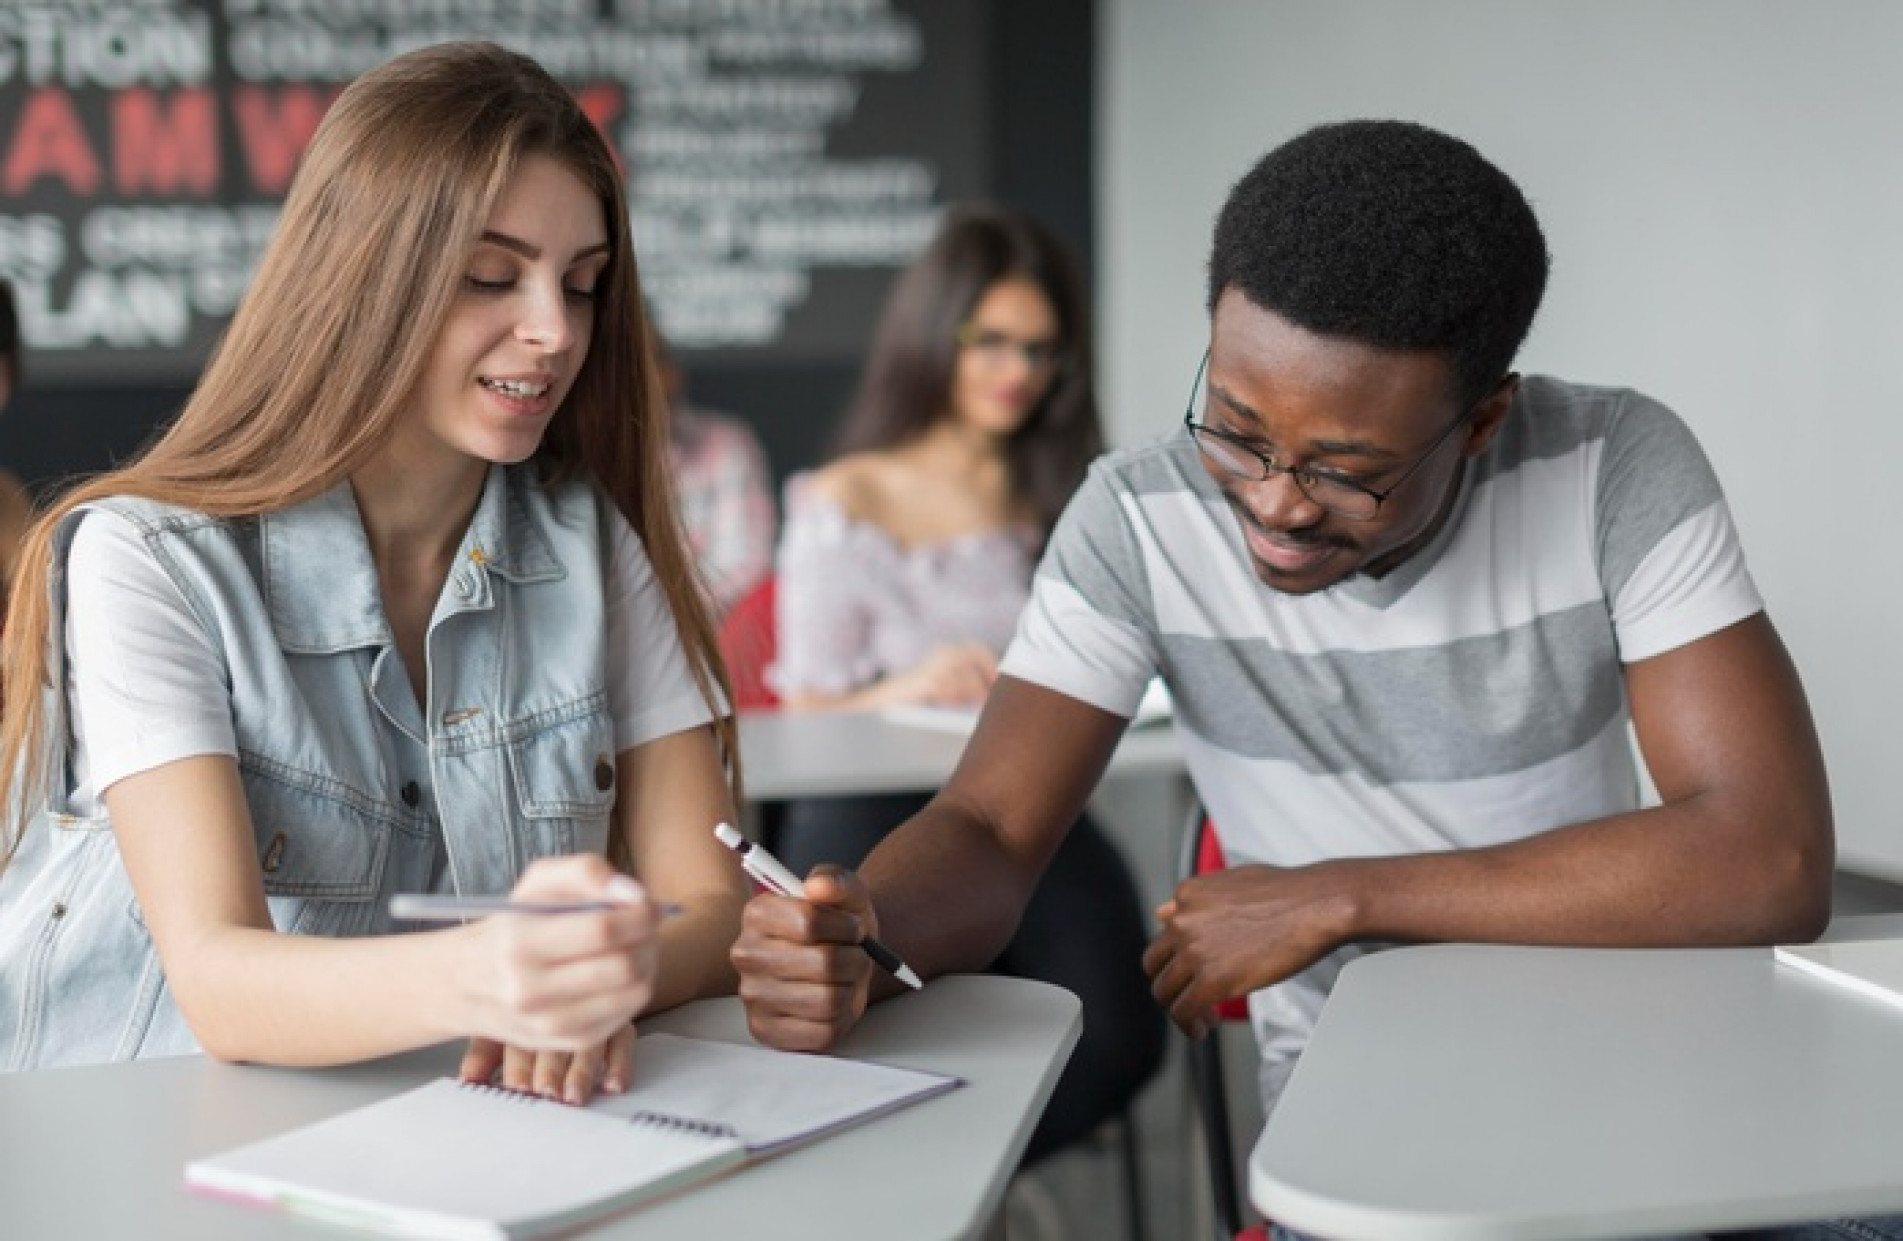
320	584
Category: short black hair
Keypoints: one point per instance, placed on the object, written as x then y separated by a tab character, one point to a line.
1392	234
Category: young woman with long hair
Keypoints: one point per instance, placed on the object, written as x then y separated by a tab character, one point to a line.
974	422
904	564
398	603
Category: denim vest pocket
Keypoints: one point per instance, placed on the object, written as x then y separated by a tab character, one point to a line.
565	781
154	1025
322	847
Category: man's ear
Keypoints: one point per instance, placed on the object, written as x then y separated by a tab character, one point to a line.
1491	414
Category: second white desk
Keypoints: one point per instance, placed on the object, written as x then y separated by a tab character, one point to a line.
1464	1092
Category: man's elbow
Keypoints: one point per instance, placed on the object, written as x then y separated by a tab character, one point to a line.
1795	882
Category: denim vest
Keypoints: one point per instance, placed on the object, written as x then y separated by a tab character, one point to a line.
354	792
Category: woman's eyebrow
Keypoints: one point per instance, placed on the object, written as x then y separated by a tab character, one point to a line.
529	250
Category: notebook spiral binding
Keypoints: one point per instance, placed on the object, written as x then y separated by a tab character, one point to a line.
650	1120
494	1091
683	1124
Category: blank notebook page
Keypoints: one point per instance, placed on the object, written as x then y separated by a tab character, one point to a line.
453	1160
459	1161
765	1098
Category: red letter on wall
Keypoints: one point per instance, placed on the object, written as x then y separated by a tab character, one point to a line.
164	150
275	130
50	142
602	104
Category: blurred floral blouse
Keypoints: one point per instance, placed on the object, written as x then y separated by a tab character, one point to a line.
856	606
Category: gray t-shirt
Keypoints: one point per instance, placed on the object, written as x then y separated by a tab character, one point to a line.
1473	695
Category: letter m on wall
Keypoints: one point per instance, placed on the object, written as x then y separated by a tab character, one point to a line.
165	146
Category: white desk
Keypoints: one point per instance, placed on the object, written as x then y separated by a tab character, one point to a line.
830	753
100	1152
1470	1092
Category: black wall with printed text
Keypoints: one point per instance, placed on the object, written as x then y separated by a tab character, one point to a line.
784	161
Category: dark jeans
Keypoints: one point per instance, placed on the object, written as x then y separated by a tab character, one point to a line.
1083	930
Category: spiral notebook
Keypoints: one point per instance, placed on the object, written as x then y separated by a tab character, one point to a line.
455	1160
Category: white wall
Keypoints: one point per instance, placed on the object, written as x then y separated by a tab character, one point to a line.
1721	182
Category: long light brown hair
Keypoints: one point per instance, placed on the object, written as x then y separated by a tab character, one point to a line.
331	341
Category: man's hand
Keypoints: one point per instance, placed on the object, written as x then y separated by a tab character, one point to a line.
803	977
1233	931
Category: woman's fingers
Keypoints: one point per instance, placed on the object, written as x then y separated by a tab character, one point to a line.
518	1069
481	1059
563	982
571	1076
617	1070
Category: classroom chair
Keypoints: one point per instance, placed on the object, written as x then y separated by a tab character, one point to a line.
747	644
1201	853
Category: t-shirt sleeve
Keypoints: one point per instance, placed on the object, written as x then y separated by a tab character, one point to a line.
1088	631
651	690
145	684
1670	562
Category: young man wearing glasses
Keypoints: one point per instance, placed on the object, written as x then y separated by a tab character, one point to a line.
1408	604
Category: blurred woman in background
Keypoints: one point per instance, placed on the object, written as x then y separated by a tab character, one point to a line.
724	486
903	566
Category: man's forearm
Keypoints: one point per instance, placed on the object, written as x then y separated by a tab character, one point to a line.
948	894
1669	875
950	886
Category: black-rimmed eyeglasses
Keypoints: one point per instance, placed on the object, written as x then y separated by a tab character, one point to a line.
1344	497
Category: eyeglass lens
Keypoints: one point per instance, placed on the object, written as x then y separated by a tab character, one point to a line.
999	347
1228	454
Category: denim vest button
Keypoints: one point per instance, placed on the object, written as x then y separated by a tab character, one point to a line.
412	794
604	773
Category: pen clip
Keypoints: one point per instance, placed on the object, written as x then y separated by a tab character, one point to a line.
763	879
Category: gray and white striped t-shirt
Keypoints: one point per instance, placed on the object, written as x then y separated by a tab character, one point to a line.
1471	696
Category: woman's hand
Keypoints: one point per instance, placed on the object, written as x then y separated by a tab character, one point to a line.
957	674
571	1077
562	983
